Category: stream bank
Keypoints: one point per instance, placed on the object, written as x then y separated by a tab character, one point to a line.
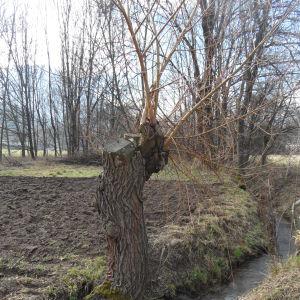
222	233
252	273
267	276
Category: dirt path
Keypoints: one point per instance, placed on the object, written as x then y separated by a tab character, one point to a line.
50	224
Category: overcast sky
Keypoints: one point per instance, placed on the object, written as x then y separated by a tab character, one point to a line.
40	14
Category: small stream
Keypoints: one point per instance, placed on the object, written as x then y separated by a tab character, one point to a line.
250	274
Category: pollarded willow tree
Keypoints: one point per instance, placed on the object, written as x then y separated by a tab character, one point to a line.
129	161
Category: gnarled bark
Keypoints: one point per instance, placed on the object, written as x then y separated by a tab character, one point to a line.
127	166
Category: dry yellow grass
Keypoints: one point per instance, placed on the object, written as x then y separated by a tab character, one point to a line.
285	160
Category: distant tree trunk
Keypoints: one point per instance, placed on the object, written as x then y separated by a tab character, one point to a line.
58	140
7	138
23	148
205	114
250	78
51	103
53	125
127	166
44	142
43	124
242	150
5	94
263	160
35	135
2	128
29	129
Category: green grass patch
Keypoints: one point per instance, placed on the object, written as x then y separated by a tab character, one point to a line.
105	290
43	168
77	277
78	280
199	275
16	153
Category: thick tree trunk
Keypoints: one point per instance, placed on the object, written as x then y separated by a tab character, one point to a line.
128	163
121	209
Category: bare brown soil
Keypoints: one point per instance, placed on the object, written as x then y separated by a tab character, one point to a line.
50	224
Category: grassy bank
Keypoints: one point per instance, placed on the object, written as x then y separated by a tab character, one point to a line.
224	230
283	280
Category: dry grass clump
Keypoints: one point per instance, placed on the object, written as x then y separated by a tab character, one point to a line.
77	281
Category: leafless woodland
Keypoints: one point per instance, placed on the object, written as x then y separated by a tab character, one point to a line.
224	76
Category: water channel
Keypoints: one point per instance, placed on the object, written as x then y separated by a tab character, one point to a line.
250	274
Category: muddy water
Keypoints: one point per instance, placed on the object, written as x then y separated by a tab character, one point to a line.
253	272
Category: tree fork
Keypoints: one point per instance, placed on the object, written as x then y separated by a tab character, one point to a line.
128	164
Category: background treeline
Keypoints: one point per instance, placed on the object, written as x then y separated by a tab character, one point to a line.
95	93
